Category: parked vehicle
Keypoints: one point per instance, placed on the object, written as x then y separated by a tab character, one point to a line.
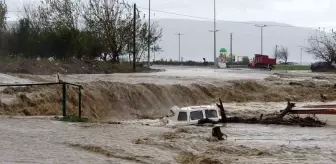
288	63
262	61
320	66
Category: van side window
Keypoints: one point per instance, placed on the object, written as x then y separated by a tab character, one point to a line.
196	115
211	113
182	116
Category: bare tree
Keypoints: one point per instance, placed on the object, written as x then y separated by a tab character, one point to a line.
276	53
323	46
142	39
111	21
283	54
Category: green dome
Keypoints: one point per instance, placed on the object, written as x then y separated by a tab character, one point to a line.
222	50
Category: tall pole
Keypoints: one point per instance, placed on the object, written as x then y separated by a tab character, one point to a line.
261	46
134	36
276	52
301	57
179	40
3	34
214	31
231	47
179	48
149	33
215	51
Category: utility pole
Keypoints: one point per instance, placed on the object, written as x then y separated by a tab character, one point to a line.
301	57
149	32
276	56
179	38
3	33
231	47
261	27
134	36
214	31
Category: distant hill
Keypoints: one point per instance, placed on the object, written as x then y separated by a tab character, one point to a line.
197	41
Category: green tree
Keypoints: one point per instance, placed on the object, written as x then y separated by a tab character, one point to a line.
245	60
3	17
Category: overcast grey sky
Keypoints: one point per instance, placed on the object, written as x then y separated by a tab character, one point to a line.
309	13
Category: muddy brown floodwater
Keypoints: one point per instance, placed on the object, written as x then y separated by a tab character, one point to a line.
43	140
31	140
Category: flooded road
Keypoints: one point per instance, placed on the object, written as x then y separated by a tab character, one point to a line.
179	75
31	140
172	75
46	141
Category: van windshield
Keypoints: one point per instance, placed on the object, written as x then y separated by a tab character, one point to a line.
182	116
211	113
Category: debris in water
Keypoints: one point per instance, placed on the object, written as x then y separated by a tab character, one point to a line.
277	119
216	132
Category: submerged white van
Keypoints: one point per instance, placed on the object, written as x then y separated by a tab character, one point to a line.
192	114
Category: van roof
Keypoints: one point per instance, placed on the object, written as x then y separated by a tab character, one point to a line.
202	107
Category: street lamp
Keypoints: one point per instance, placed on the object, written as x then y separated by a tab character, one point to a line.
179	38
301	51
214	31
261	27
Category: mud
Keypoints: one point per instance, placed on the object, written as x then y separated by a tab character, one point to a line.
129	97
71	66
114	100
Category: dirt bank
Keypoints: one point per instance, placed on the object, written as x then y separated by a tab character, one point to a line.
113	100
74	66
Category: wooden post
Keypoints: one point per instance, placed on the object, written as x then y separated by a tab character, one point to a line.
64	99
80	102
222	111
216	132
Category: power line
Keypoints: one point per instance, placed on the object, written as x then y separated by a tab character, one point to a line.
247	23
190	16
172	13
204	18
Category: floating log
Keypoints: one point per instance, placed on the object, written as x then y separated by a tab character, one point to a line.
222	111
289	107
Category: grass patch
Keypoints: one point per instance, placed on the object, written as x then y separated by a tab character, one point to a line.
72	119
292	67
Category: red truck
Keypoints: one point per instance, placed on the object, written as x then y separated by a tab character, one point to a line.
262	61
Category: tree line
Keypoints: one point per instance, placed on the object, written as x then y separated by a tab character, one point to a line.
82	29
